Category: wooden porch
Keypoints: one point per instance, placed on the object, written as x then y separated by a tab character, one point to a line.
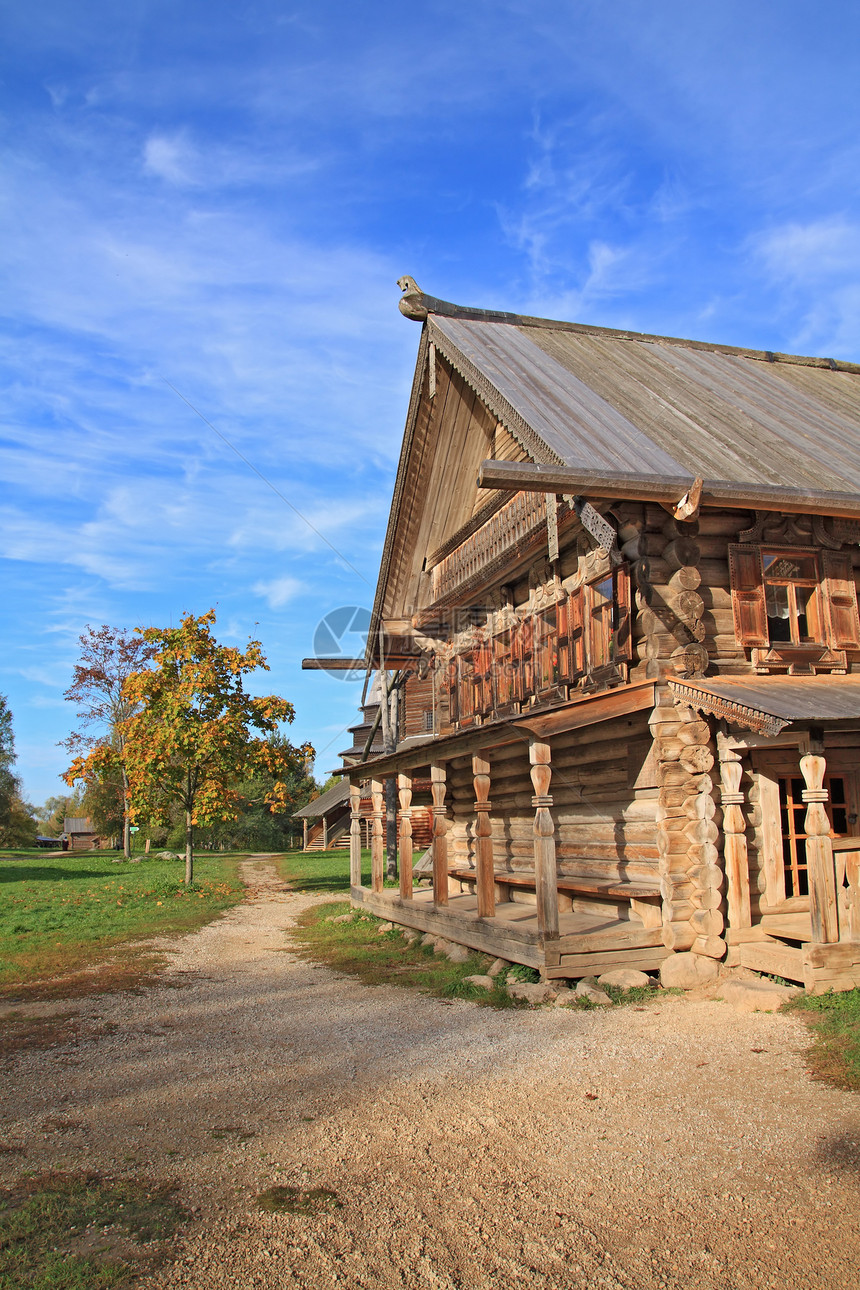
586	945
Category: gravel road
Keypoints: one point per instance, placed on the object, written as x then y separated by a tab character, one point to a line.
676	1145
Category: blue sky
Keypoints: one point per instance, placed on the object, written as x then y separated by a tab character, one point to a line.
219	197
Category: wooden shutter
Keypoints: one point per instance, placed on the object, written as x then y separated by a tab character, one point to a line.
623	652
577	634
840	598
748	599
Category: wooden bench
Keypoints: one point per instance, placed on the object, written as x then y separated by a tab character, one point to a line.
643	897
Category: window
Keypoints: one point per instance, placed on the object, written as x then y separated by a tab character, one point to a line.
792	601
608	619
793	598
792	811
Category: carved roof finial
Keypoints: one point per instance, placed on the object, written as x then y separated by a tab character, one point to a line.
411	303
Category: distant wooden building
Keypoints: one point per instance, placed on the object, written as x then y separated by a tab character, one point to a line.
81	834
621	570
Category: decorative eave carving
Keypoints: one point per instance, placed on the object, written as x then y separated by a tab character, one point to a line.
738	714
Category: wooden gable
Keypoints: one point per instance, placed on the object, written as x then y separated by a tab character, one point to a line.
452	433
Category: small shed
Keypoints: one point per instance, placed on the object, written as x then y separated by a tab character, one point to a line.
81	833
325	820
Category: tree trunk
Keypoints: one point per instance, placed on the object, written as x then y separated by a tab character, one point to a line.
189	852
126	822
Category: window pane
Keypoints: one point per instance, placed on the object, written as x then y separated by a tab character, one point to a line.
790	568
778	612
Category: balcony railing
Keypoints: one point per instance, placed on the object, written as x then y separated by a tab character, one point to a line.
511	526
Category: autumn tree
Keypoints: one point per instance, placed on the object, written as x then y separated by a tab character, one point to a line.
196	733
108	657
17	826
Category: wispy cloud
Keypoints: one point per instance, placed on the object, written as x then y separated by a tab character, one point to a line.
278	591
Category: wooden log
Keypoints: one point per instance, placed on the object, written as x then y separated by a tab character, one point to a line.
696	759
355	835
404	789
819	852
678	936
376	844
681	551
707	922
546	886
483	837
711	946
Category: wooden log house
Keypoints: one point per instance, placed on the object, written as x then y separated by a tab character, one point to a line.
622	571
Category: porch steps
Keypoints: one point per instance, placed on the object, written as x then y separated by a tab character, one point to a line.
775	958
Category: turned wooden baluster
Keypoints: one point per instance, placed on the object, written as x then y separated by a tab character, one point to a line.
819	852
404	790
440	835
546	879
376	838
734	837
486	889
355	835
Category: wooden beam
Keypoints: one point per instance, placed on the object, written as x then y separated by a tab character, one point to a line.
355	835
819	852
546	878
376	840
735	837
438	786
485	886
519	476
334	665
404	788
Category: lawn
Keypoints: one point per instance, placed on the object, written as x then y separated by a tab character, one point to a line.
62	914
321	871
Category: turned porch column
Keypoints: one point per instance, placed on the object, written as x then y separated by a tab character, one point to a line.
376	837
440	835
355	835
485	885
404	789
325	832
819	852
546	878
305	833
735	849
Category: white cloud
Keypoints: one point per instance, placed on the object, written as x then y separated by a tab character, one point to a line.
278	591
170	157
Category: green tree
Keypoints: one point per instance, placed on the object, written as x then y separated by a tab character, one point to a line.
196	733
51	818
108	657
17	825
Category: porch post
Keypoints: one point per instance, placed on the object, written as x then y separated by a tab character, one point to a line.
735	849
440	835
819	852
486	887
404	789
304	833
355	835
376	840
325	832
546	878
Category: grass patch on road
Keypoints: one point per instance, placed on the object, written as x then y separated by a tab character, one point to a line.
358	948
60	916
834	1020
80	1232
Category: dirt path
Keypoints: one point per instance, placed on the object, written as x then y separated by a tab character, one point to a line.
680	1145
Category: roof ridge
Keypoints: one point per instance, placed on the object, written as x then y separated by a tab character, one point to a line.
415	304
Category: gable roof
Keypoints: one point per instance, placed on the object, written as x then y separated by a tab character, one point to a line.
598	399
327	801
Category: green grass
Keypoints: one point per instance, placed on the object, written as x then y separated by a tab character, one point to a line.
61	914
834	1020
80	1232
357	947
321	871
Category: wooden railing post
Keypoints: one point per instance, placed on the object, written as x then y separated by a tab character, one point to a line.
546	879
440	835
376	838
819	852
325	833
304	833
735	849
485	885
355	835
404	788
